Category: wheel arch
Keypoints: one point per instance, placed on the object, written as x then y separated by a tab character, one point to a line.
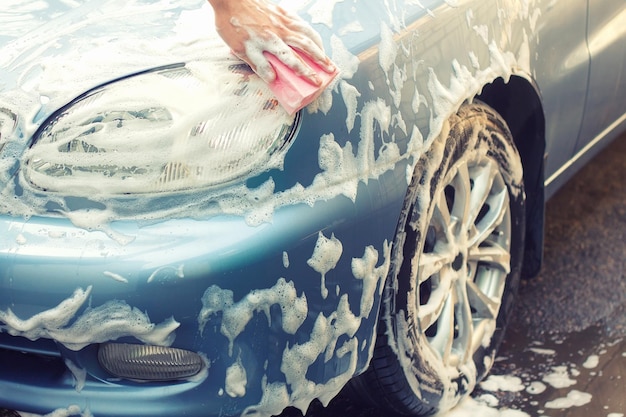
518	101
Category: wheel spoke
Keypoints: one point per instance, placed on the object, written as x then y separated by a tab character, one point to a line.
431	311
483	331
462	272
464	325
484	306
442	220
462	189
498	207
483	177
432	263
442	211
493	254
441	342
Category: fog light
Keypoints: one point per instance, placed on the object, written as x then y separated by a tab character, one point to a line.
149	363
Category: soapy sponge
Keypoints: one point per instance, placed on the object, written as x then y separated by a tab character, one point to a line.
293	91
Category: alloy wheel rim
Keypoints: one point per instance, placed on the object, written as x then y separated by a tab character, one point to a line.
461	271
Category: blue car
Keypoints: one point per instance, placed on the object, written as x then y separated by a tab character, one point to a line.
174	243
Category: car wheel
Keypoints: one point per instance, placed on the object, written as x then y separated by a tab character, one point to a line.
455	269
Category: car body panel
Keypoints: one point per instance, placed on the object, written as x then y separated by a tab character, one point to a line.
562	73
280	275
605	100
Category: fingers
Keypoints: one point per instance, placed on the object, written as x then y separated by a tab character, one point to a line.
256	59
283	49
316	54
303	37
287	55
252	27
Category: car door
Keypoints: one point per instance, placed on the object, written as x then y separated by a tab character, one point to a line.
562	72
605	104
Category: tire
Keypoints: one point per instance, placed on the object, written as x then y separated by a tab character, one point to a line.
456	266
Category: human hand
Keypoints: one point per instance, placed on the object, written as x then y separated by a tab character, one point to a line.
251	27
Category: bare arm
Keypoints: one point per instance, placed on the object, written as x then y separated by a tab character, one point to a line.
251	27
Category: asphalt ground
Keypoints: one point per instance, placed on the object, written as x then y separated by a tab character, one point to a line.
565	350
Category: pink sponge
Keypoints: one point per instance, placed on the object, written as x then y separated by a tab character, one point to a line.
293	91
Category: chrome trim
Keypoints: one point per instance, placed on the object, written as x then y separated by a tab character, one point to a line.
584	150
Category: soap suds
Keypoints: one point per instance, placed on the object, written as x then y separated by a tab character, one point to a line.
373	276
71	411
536	387
325	257
591	362
236	380
324	341
503	383
559	377
79	374
574	398
350	97
322	11
235	316
109	321
480	407
540	351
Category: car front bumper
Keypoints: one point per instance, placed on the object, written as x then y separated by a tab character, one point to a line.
150	284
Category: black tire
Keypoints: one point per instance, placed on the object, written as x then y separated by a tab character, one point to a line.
438	338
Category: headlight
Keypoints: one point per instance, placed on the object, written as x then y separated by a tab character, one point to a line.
8	122
197	125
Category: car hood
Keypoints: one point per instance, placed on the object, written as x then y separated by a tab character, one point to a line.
51	52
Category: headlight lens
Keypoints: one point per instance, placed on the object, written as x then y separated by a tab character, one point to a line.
199	125
8	122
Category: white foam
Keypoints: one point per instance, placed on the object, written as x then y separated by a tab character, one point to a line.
236	316
373	276
352	27
574	398
236	380
508	383
591	362
109	321
350	97
472	407
345	60
326	255
536	387
79	374
322	12
559	377
388	49
542	351
71	411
